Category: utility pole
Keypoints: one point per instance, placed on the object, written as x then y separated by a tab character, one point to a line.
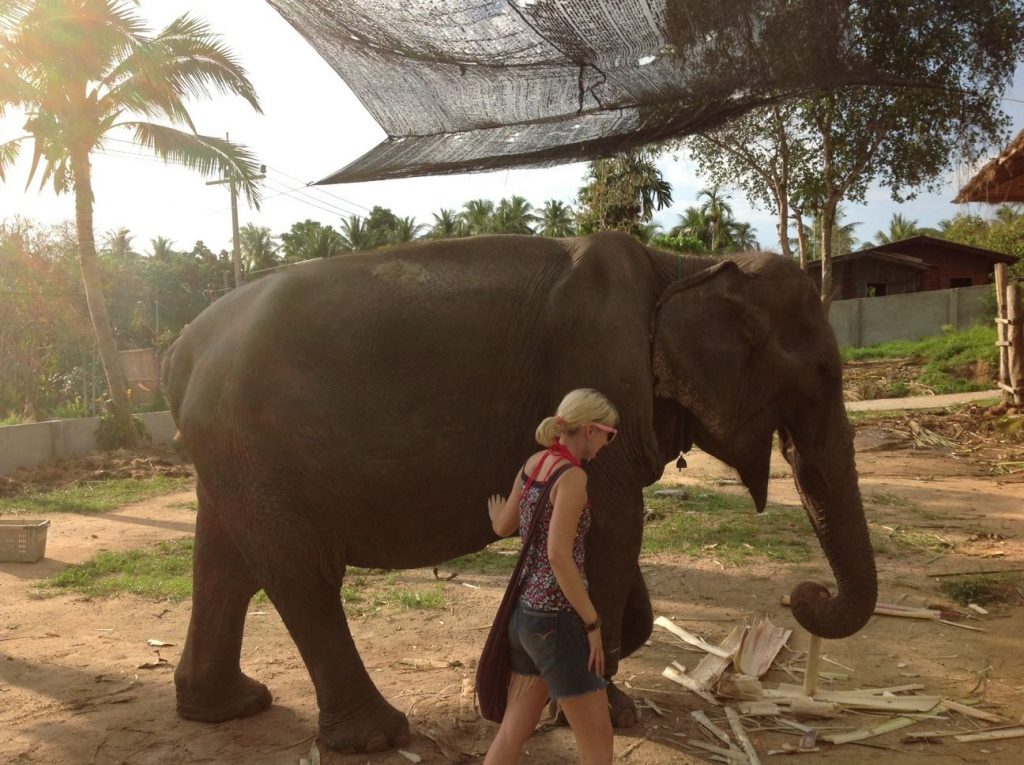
236	250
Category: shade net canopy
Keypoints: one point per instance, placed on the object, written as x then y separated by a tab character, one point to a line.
471	85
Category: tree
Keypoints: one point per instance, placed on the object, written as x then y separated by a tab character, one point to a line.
622	192
514	216
296	241
754	152
741	236
447	225
161	249
556	219
718	212
381	227
117	244
899	228
259	250
693	224
478	217
355	234
81	69
406	230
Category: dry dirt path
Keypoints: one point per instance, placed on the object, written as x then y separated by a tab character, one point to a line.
72	691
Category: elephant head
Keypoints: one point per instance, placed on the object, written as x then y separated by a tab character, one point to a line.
743	350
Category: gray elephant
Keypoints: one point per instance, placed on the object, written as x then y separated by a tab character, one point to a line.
360	410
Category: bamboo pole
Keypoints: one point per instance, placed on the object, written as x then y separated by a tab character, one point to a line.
1015	342
813	663
1001	326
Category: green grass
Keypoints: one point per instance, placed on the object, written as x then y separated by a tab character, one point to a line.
490	560
946	356
725	527
985	589
164	572
93	496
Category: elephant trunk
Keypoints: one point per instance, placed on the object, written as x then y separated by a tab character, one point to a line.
828	487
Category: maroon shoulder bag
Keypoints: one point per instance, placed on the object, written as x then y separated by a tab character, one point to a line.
493	671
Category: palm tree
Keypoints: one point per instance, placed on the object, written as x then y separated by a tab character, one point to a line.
407	229
556	219
354	234
325	242
447	225
478	216
117	243
718	213
259	249
899	228
162	249
622	192
742	236
645	232
514	216
693	223
81	69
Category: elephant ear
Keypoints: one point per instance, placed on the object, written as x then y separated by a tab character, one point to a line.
709	347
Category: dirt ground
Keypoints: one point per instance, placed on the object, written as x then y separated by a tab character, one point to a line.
72	689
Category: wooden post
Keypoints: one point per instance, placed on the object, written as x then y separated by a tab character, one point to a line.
1001	333
813	662
1015	342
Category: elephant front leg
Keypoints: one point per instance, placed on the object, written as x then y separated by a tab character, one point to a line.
636	626
354	717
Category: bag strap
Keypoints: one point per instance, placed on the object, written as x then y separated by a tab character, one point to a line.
531	533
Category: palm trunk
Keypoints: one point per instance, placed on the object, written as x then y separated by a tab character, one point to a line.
801	239
828	220
121	405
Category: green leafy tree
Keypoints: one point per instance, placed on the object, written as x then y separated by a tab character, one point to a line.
899	228
355	234
478	217
622	192
300	241
406	230
742	236
556	219
117	243
381	227
161	249
677	243
447	225
259	248
693	224
514	215
81	69
718	213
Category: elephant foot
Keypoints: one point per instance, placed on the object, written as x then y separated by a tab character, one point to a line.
223	699
375	727
622	709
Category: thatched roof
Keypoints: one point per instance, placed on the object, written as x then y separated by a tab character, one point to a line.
1001	180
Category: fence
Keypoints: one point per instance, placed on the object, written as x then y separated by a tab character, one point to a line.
1010	337
869	321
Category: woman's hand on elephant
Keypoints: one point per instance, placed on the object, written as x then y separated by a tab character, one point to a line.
494	506
596	661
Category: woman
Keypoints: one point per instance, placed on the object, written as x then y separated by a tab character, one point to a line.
555	631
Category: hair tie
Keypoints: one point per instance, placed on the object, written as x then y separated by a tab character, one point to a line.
560	420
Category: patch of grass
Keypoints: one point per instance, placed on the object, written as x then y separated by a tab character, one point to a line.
984	589
191	504
885	499
490	560
163	572
93	496
921	541
947	357
726	527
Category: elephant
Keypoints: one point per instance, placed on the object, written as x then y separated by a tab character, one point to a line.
359	410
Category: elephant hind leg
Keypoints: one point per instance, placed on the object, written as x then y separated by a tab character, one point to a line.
209	682
354	716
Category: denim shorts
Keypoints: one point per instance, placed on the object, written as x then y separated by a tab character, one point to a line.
554	645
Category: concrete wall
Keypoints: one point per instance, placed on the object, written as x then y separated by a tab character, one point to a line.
869	321
26	446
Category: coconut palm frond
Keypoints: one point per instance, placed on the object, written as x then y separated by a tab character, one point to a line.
9	153
205	154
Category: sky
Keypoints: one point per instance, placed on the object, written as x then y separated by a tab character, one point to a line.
312	125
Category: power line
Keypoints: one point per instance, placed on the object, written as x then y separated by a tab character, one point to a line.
321	189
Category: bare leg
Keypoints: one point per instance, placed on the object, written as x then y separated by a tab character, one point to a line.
527	697
591	725
209	682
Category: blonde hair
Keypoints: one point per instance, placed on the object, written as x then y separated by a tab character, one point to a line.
579	407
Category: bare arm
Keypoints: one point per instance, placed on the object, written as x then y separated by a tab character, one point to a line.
505	512
571	496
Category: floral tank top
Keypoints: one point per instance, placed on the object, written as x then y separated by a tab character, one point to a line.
540	588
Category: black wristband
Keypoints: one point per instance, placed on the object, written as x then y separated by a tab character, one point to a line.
594	625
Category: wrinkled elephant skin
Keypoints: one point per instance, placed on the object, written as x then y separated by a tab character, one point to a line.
359	411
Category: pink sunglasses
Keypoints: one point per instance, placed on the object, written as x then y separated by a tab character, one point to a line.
612	432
